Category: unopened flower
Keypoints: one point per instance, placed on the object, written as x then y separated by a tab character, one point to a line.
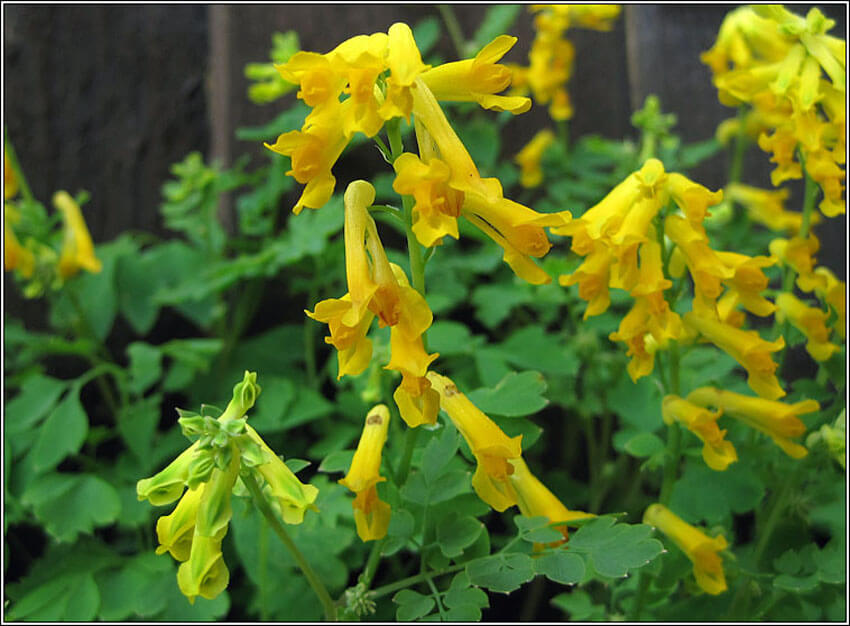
778	420
700	549
371	514
77	247
810	321
492	448
717	452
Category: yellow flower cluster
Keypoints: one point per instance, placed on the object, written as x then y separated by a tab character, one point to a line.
551	58
501	479
793	75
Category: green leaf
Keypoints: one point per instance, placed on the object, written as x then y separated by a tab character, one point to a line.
456	532
448	338
491	365
439	451
338	461
426	33
702	366
446	487
493	303
63	433
296	465
532	348
138	589
73	597
638	404
536	529
503	572
412	605
137	281
560	567
497	21
614	549
145	366
70	504
515	395
644	445
797	584
704	494
37	397
578	606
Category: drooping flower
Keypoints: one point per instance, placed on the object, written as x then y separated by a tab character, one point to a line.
531	174
700	549
808	320
833	292
77	247
371	514
15	256
167	485
748	281
175	531
747	348
767	207
799	255
492	448
717	452
778	420
535	500
406	66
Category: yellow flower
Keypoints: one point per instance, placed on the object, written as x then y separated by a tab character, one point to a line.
767	207
747	348
175	531
799	254
10	181
405	63
492	448
529	158
716	451
291	496
167	485
371	515
205	573
354	349
834	292
692	198
748	281
314	150
535	500
810	321
700	549
320	81
777	420
705	267
478	79
77	246
592	277
15	256
593	16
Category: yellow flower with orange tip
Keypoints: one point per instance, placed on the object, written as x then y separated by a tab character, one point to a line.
77	247
535	500
833	292
531	174
478	79
371	515
700	549
492	448
10	181
777	420
747	348
799	254
782	143
810	321
717	452
15	256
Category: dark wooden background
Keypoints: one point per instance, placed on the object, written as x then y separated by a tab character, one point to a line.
105	98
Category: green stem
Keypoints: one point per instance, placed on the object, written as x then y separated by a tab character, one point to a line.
674	435
810	195
12	156
315	582
453	26
413	580
437	600
372	564
637	607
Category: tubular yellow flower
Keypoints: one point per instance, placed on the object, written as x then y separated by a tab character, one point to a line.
405	64
354	349
810	321
529	158
16	256
320	81
777	420
175	531
492	448
767	207
834	291
371	515
167	485
10	181
77	247
535	500
592	277
717	453
748	281
478	79
291	496
705	267
799	254
692	198
700	549
747	348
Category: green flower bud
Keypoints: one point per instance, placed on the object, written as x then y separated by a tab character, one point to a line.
244	396
167	485
191	425
200	469
214	511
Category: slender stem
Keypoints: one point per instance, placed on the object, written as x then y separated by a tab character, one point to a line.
637	607
413	580
437	600
315	582
372	564
407	455
453	26
674	435
810	195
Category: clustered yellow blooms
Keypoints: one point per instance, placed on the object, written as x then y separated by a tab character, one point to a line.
551	58
700	549
192	533
767	207
371	514
379	288
529	158
385	78
792	73
501	479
